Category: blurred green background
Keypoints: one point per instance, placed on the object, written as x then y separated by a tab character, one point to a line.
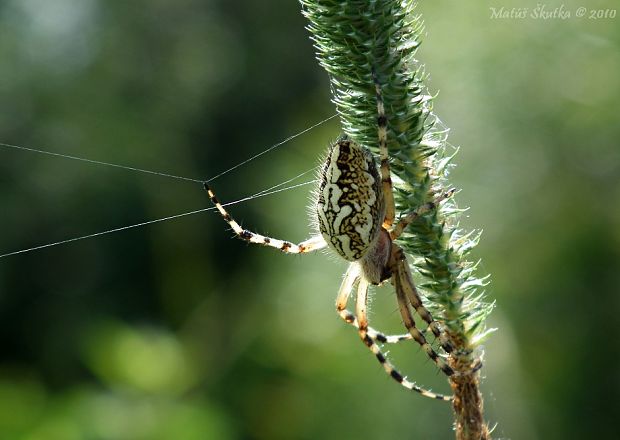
178	331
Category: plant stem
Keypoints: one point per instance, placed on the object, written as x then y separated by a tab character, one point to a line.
356	39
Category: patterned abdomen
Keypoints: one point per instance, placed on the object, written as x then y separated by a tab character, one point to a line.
350	204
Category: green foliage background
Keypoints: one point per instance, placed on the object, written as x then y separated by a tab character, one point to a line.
177	331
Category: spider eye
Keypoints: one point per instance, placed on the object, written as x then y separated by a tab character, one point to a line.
350	205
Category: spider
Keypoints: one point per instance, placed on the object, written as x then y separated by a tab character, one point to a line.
355	215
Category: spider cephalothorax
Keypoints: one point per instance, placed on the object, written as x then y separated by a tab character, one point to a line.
355	217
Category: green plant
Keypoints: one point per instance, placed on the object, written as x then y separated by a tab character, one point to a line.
355	38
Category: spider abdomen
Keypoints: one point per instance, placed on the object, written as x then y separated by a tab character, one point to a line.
350	204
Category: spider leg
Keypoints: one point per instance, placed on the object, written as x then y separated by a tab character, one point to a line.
404	287
406	291
351	278
362	319
398	229
386	180
310	245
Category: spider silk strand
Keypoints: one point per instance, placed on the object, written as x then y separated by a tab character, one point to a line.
158	173
262	193
97	162
273	147
268	191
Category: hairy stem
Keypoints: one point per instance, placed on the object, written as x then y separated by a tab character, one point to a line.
358	41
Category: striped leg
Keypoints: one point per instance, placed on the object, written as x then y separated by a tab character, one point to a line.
404	289
310	245
398	229
351	278
406	294
362	319
386	180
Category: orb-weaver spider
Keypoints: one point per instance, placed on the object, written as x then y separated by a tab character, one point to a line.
355	215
